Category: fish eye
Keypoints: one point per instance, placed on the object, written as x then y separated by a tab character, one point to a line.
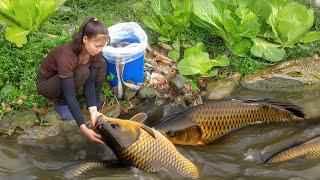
114	126
171	133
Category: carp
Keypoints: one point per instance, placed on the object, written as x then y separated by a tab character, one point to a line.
307	150
78	169
205	123
137	145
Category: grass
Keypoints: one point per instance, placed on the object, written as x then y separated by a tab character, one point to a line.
19	66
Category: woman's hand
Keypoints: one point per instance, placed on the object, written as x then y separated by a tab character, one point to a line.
91	135
94	113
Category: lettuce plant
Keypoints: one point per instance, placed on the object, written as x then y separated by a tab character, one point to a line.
196	62
24	16
171	18
260	27
291	22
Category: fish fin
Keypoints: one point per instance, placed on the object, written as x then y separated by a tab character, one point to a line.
140	117
201	143
148	130
294	109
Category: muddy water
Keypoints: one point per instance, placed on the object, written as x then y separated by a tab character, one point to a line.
236	156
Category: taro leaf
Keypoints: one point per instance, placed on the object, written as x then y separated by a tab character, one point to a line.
241	47
194	62
310	37
174	54
292	22
266	50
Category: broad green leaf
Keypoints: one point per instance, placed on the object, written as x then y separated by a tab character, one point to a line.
292	22
16	35
195	53
45	9
183	6
160	6
200	46
213	72
164	39
194	62
6	7
228	22
278	4
24	16
176	45
310	37
25	13
266	50
7	20
248	29
241	47
207	13
261	8
221	61
174	54
152	23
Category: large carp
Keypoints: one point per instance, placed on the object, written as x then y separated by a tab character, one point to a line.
204	123
307	150
142	147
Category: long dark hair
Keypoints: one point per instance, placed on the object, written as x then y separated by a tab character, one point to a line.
90	28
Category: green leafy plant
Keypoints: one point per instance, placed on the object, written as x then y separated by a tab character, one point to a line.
291	22
22	17
260	27
196	62
170	20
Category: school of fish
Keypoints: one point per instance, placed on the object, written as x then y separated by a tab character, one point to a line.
151	149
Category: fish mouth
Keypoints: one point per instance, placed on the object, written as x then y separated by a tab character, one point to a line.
98	122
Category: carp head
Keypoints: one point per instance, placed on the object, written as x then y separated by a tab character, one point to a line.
119	134
180	129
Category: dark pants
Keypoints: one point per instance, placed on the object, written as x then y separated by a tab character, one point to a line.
50	87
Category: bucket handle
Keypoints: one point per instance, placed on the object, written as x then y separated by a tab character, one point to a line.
120	63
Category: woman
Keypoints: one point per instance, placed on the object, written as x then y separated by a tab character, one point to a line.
71	66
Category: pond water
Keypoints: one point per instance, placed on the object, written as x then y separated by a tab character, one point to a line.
235	156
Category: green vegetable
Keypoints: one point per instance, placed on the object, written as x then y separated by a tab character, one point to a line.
266	50
22	17
197	62
290	22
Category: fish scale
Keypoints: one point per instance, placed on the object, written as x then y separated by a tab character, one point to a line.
308	150
147	150
217	119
